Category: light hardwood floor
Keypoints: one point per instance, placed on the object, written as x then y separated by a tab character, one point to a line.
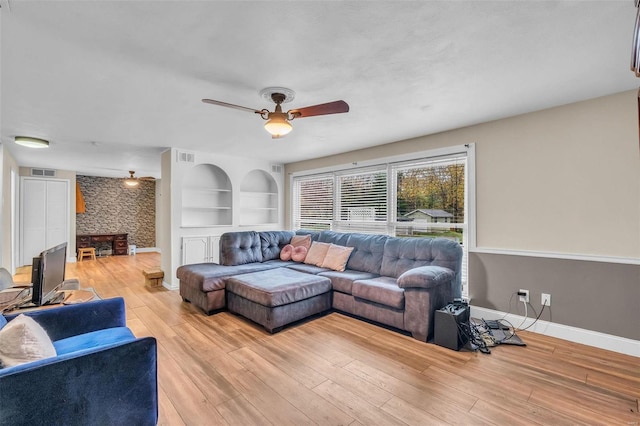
222	369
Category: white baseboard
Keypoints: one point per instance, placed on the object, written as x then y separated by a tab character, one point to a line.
147	249
566	332
169	286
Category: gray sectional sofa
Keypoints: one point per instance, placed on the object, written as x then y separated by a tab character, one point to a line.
399	282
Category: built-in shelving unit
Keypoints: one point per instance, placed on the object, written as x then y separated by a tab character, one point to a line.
206	197
258	199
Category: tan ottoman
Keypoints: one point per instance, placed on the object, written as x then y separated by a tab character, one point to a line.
153	277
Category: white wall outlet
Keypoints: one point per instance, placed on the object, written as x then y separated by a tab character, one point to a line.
545	299
524	298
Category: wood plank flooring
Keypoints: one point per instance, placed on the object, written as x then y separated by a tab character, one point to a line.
337	370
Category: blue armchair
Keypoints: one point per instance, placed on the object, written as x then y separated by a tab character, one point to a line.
102	373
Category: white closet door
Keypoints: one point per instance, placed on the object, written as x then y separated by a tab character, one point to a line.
45	215
33	219
57	212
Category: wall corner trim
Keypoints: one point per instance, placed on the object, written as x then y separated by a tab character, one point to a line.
573	334
552	255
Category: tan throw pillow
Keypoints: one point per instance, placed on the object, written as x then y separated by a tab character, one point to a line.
301	240
286	252
337	257
316	254
299	254
24	340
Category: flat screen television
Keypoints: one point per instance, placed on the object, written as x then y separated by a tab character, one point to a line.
47	274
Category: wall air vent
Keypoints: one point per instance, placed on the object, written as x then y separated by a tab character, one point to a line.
43	172
185	157
276	168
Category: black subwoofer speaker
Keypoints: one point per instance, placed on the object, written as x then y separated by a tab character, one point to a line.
451	325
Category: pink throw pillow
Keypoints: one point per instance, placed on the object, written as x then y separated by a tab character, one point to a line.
299	254
301	240
286	252
337	257
316	253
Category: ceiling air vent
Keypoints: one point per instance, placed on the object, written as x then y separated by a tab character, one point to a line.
276	168
185	157
43	172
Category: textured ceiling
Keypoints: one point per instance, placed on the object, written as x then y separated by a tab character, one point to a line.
112	83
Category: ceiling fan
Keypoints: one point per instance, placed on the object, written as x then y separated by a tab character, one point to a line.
278	122
133	181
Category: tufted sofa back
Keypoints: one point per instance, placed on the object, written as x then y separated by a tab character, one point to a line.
238	248
367	252
271	243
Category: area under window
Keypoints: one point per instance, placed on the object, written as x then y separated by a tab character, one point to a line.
425	196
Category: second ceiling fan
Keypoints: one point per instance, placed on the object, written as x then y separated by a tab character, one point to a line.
278	122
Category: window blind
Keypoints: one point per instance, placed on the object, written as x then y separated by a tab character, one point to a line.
313	202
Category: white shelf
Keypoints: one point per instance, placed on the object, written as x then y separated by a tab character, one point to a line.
206	197
205	208
193	189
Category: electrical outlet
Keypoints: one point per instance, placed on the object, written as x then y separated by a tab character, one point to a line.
524	298
545	299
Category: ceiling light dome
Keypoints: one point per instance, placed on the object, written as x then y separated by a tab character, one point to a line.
30	142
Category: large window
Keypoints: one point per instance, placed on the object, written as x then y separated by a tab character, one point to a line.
423	197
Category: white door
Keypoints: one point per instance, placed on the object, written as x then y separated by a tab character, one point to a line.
44	216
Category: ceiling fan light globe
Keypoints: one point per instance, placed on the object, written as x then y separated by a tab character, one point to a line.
278	126
131	182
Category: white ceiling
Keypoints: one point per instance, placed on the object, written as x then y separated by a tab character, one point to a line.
112	83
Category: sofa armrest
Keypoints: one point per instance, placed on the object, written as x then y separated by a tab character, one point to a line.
72	320
426	277
115	384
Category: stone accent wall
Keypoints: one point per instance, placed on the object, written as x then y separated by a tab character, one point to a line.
113	207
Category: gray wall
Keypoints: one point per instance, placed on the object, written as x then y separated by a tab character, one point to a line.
597	296
113	207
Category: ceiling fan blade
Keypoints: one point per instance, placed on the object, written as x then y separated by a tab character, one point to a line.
228	105
335	107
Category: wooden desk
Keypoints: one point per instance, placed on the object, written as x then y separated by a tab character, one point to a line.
119	244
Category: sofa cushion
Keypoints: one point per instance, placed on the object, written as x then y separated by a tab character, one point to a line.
402	254
338	238
211	276
367	252
308	269
23	340
342	281
278	287
426	277
285	253
272	242
382	290
336	257
94	339
237	248
317	253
